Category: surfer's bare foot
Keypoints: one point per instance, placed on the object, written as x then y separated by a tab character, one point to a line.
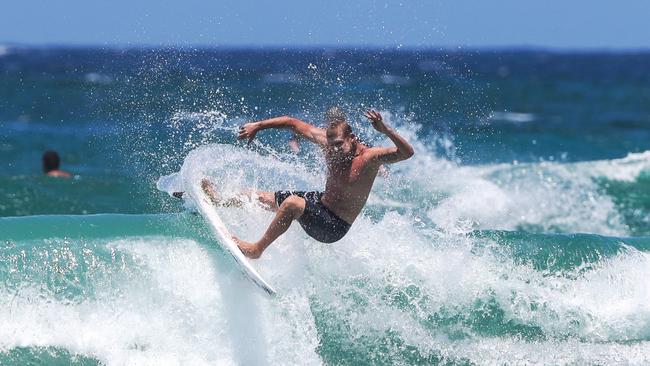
249	250
178	194
209	190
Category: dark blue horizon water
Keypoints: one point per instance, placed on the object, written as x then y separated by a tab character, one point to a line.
108	110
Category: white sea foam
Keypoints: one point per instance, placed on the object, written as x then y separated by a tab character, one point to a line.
97	78
175	301
405	270
178	307
544	196
512	117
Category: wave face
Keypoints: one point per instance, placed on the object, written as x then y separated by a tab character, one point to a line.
152	289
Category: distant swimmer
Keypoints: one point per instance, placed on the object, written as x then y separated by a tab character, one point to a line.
351	170
51	162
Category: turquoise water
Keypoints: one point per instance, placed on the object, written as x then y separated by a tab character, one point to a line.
517	234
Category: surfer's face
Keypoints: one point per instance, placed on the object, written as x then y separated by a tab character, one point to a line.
341	145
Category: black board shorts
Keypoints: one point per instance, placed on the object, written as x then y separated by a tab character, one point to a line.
318	221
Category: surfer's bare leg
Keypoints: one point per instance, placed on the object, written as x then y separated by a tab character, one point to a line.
290	209
267	199
209	190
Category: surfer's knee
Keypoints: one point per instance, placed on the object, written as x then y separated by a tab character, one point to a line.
293	205
267	199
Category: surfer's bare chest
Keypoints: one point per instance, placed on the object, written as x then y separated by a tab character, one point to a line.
347	182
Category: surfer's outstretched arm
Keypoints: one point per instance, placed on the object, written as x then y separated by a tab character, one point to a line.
301	128
387	155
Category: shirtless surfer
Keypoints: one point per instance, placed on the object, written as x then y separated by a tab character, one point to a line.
351	170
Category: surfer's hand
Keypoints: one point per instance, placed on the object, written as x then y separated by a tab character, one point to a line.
248	131
376	120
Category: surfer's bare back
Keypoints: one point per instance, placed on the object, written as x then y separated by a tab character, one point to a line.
351	170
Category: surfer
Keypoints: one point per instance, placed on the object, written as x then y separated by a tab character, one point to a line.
351	171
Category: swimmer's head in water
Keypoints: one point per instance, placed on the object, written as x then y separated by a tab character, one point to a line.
51	161
341	142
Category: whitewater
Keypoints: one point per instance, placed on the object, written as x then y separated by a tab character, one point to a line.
508	263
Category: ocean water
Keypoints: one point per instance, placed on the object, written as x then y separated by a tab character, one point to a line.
519	233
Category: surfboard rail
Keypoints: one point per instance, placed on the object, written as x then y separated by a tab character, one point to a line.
209	212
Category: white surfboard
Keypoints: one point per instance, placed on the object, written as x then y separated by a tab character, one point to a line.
207	209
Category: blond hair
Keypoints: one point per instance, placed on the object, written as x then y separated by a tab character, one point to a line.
335	114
